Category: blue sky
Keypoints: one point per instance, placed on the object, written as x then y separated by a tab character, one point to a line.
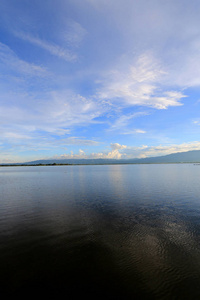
98	78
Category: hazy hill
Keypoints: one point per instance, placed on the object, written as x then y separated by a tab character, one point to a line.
180	157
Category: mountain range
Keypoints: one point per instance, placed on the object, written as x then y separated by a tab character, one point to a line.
180	157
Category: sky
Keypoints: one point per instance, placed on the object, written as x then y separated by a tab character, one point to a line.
98	78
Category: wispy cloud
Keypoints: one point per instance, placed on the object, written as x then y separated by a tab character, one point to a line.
17	143
73	34
77	141
53	114
52	48
139	85
67	109
133	131
122	123
12	61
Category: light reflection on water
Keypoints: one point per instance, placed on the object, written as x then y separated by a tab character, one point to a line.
117	232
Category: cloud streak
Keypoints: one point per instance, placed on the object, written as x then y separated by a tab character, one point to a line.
52	48
122	123
12	61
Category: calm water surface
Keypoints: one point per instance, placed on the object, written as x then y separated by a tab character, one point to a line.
109	232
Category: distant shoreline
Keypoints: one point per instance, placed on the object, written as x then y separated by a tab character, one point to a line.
98	164
189	157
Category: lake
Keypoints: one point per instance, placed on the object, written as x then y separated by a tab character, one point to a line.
100	231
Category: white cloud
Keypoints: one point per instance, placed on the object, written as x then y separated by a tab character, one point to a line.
124	152
113	154
81	152
117	146
66	109
170	29
55	112
139	84
14	136
133	131
197	122
20	143
150	151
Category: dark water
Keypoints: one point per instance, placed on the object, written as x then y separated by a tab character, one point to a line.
100	232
